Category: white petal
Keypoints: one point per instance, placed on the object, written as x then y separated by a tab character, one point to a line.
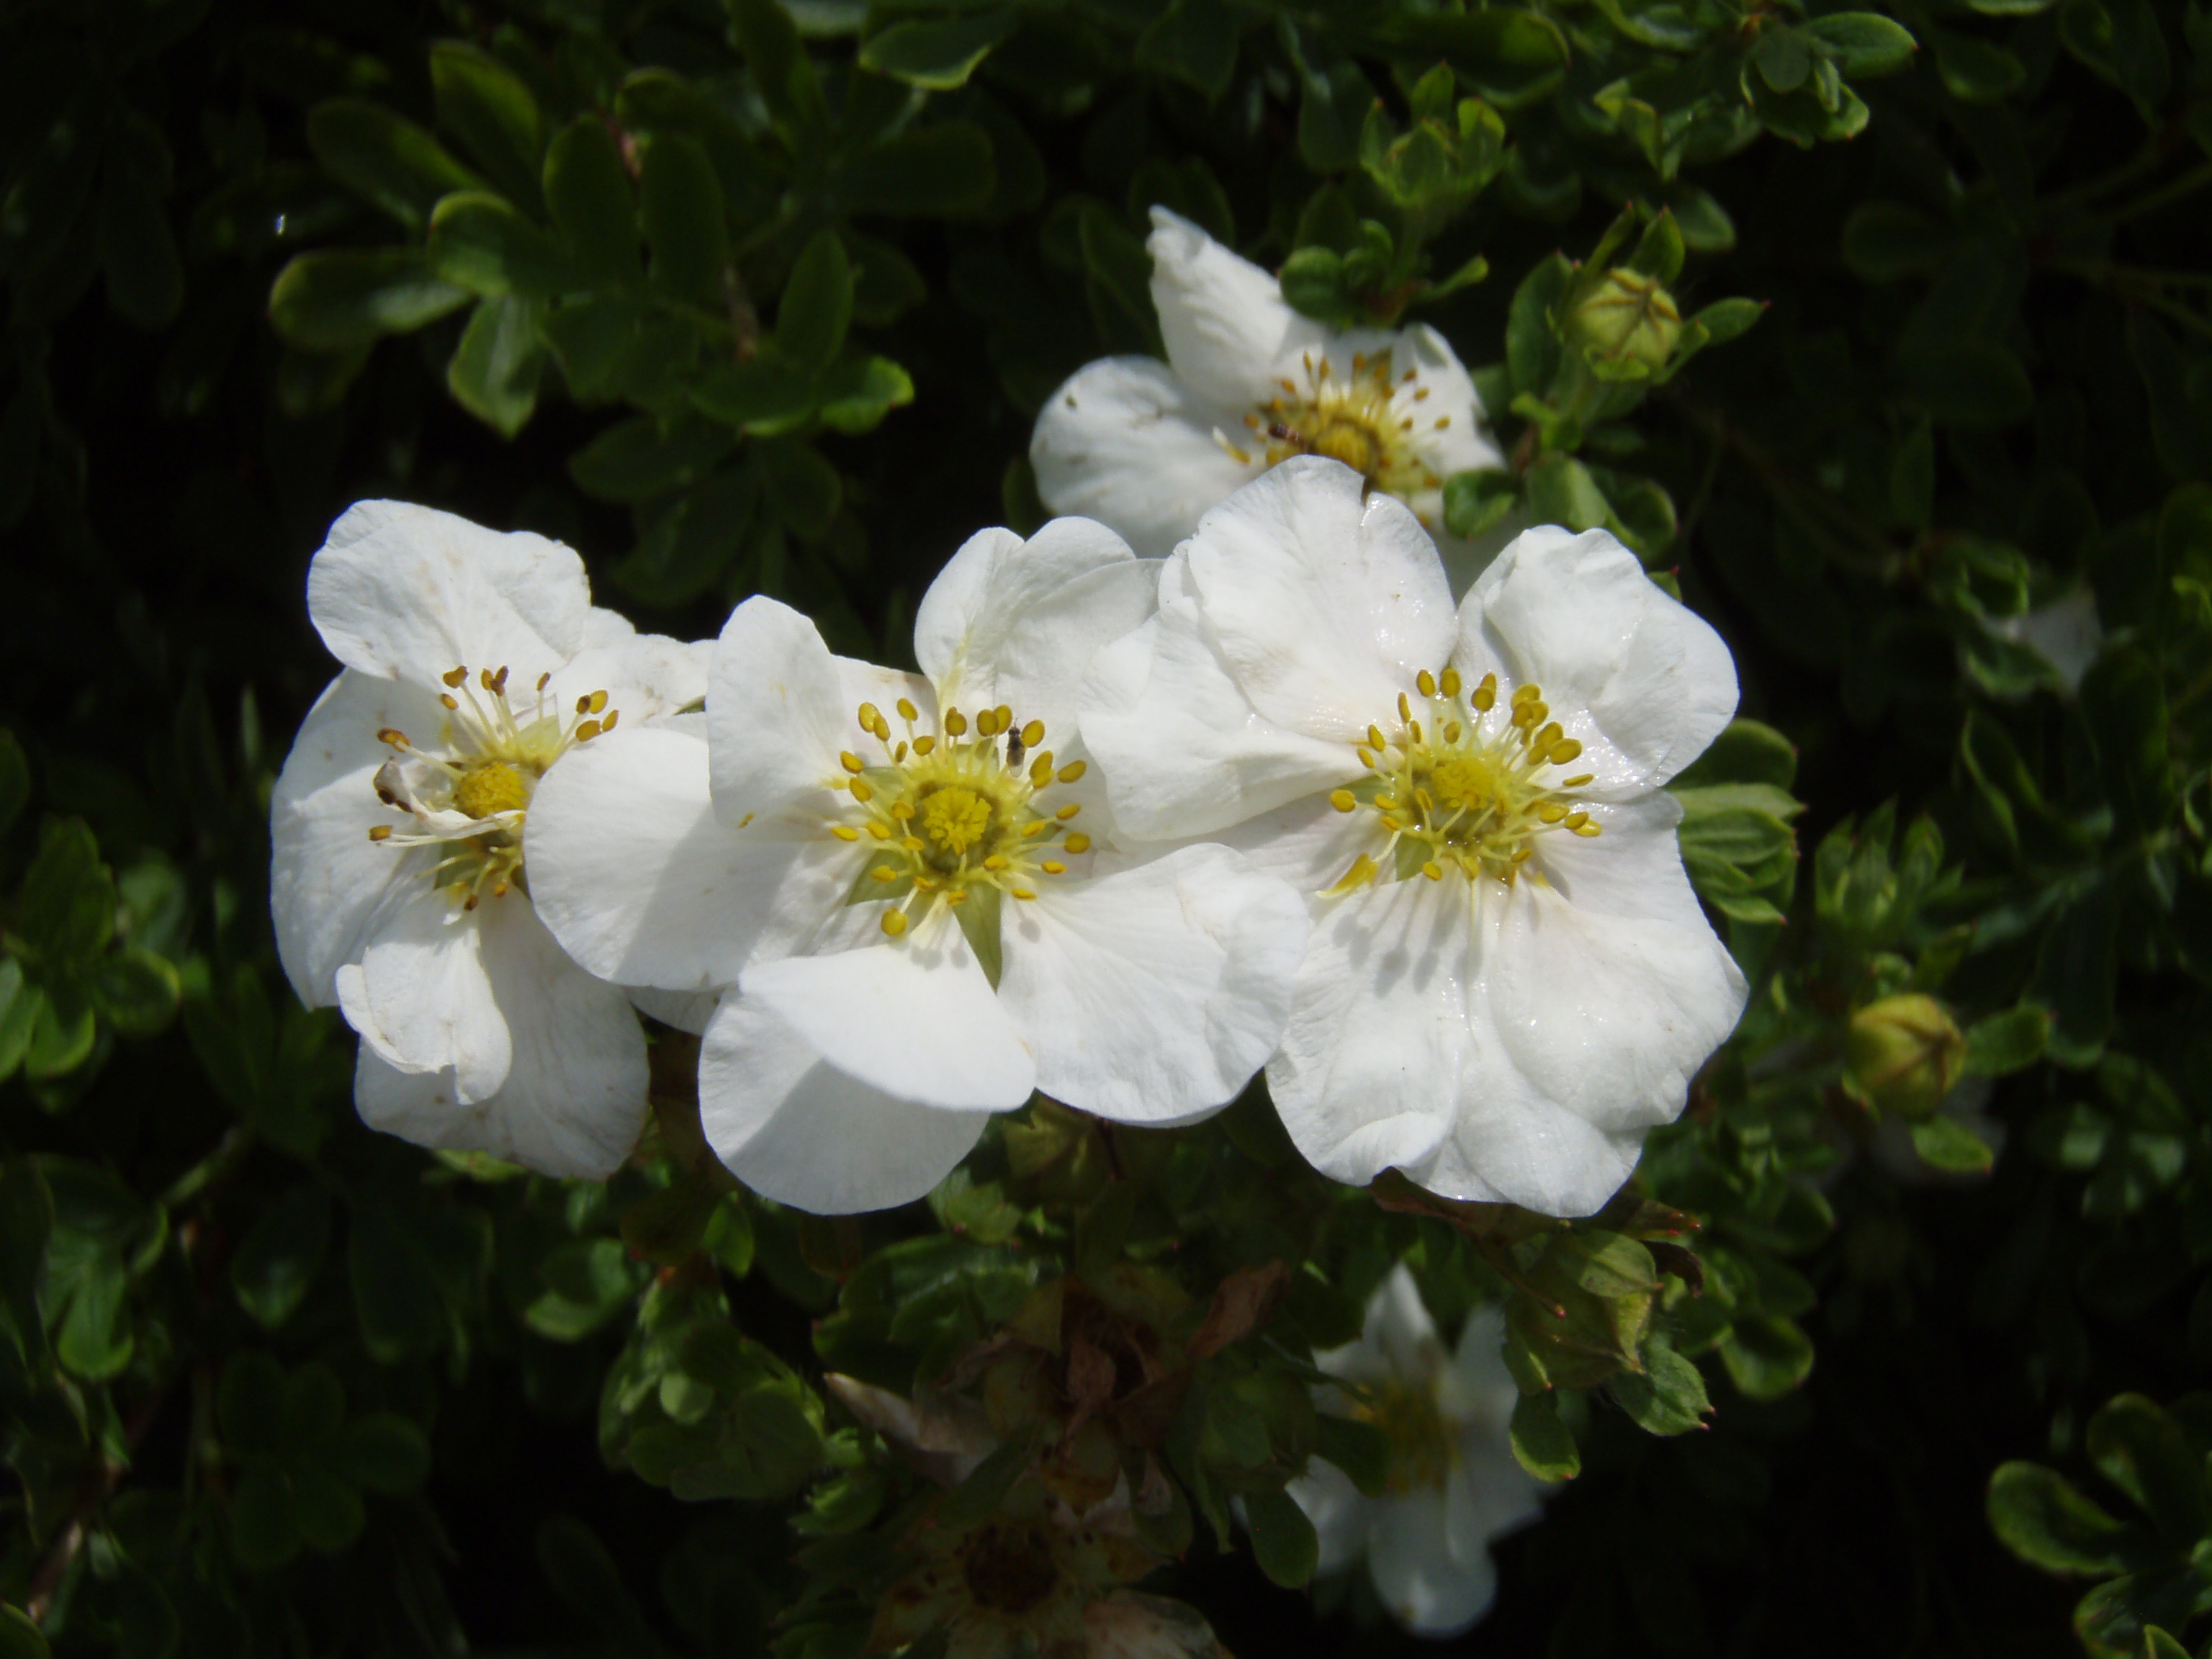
1430	1590
1340	1513
423	996
573	1101
1182	751
408	593
1369	1069
687	1011
1463	442
1399	1324
776	714
1577	615
1153	995
915	1018
1609	988
1480	1392
1127	443
1325	602
1308	844
797	1130
1228	332
326	877
645	885
646	675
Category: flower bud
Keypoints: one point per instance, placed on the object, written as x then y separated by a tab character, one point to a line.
1902	1055
1628	319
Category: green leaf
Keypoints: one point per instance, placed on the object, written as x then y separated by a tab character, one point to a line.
1561	491
1746	751
15	780
1766	1357
1944	1143
2123	699
19	1638
20	1006
857	394
804	488
1542	1444
485	105
1973	70
636	459
941	171
1361	1449
1666	1397
2143	1451
1724	319
342	299
682	203
1331	110
589	196
817	306
2077	971
326	1511
781	71
1976	383
280	1257
385	157
396	1293
138	250
587	1282
262	1535
1194	41
686	548
1283	1540
65	912
381	1451
1476	501
250	1404
479	243
495	370
2042	1518
938	55
1863	42
135	991
2008	1042
1532	341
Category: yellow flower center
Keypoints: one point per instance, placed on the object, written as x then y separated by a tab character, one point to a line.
1366	419
1424	1445
1465	786
486	766
954	814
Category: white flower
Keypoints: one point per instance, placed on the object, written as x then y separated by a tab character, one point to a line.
2066	634
1509	980
1453	1482
474	660
898	875
1147	448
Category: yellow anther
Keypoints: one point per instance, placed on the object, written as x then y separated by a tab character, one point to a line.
1072	772
747	819
894	922
924	746
955	723
958	895
608	724
1053	867
544	680
587	731
1576	820
1586	830
449	700
861	792
869	717
1562	752
908	711
1021	892
1427	682
1450	682
1078	842
1032	734
879	832
393	736
1036	827
849	761
898	755
987	723
1527	693
1404	708
1041	769
883	872
1550	811
1358	363
1414	727
902	809
1521	855
1362	869
1578	782
912	843
996	861
1442	420
1366	758
380	832
1452	729
844	832
1421	394
926	884
1550	734
1343	800
1433	870
1374	739
1067	811
453	677
598	698
484	679
1485	696
1002	719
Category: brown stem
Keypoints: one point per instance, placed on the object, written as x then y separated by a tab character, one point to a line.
55	1563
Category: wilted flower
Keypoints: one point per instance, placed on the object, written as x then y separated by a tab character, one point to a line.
898	875
474	662
1509	980
1454	1484
1147	448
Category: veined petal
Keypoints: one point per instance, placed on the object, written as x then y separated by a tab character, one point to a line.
1577	615
408	593
574	1098
1228	332
796	1129
1367	1076
646	675
1341	1516
916	1019
327	878
1153	996
1183	750
1127	443
1432	1590
1325	602
1610	999
422	995
775	719
644	884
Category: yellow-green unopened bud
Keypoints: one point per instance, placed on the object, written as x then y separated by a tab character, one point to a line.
1903	1053
1628	319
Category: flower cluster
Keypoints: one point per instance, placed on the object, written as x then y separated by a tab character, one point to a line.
1137	829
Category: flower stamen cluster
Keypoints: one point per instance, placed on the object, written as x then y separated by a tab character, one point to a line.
1365	420
471	794
952	813
1463	792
